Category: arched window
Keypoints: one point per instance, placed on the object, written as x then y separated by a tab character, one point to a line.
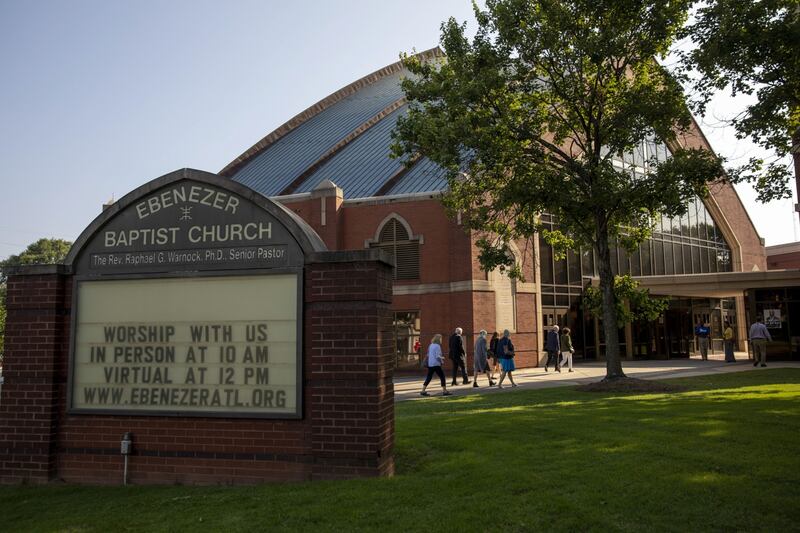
396	240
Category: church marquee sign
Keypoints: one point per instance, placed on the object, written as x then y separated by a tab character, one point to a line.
188	301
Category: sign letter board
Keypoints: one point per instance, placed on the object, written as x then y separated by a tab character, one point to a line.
188	302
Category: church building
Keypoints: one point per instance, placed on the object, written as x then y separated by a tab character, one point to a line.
331	165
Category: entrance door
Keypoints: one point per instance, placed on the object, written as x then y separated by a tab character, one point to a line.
678	333
554	317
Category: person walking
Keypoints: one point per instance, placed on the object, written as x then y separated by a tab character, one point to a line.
458	355
759	335
566	348
505	350
435	361
481	362
727	341
553	348
493	353
702	331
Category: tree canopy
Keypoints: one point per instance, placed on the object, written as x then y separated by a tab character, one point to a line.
752	47
530	115
41	252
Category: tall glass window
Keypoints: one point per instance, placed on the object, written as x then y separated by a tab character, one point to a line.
560	271
692	218
658	247
688	244
574	268
546	262
647	266
671	266
636	267
696	267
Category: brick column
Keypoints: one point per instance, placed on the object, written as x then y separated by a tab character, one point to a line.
349	364
33	369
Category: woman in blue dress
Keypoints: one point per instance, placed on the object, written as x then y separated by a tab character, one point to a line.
505	352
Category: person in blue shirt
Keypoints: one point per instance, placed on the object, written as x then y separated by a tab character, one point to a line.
703	332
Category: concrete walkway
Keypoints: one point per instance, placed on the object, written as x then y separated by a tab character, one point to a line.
409	387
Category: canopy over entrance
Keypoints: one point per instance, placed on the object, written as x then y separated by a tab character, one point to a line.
718	285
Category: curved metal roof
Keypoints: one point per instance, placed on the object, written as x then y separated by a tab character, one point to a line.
344	138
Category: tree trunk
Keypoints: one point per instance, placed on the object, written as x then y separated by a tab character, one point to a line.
613	360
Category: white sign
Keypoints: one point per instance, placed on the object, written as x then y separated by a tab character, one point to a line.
208	345
504	302
772	318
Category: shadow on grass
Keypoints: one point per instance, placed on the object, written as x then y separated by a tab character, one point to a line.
548	425
553	459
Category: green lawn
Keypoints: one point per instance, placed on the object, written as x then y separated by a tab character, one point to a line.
724	455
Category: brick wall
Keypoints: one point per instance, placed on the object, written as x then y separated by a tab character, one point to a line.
34	343
447	255
348	345
789	260
347	429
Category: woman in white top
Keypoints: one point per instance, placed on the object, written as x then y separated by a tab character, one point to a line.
435	362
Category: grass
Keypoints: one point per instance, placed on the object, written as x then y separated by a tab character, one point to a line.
722	455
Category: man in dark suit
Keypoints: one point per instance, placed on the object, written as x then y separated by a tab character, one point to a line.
459	356
553	348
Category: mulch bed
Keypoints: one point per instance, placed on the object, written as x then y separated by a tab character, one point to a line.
628	385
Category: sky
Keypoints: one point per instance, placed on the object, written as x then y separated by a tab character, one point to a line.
99	97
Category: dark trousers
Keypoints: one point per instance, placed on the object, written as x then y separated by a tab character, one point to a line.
459	363
552	359
729	357
439	372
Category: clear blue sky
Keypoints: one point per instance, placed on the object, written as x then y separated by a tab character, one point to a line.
99	97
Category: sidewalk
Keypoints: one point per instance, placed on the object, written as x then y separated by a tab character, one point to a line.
408	387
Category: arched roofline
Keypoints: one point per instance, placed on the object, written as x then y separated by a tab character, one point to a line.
308	240
376	238
235	165
713	205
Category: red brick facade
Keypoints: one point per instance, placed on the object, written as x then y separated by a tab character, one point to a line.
452	289
34	369
783	256
347	429
783	261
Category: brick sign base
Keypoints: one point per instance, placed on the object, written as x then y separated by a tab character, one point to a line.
347	427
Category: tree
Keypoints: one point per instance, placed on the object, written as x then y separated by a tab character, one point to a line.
752	47
632	302
528	116
43	251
